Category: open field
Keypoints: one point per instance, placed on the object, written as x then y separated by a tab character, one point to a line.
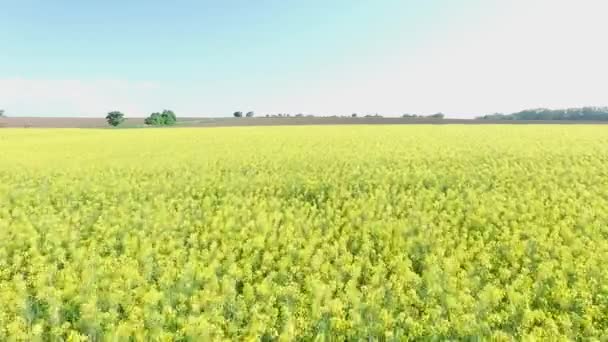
59	122
74	122
67	122
336	232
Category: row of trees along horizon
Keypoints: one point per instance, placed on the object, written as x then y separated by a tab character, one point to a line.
354	115
575	114
168	117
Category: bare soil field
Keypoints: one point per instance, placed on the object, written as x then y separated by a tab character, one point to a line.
263	121
68	122
57	122
75	122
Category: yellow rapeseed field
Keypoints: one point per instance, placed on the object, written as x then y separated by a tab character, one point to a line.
304	233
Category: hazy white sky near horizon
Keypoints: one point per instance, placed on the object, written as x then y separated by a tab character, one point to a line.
463	58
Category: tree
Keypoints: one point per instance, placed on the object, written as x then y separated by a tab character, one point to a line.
437	116
166	118
154	119
354	115
250	114
238	114
115	118
1	113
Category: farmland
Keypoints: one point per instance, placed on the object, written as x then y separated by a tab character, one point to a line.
283	233
86	122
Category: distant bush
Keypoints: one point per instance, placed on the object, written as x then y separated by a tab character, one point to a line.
238	114
1	113
437	116
250	114
166	118
115	118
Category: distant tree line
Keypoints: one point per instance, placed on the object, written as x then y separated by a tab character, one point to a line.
585	113
432	116
353	115
168	117
287	115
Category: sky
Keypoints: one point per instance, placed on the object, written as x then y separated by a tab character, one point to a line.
332	57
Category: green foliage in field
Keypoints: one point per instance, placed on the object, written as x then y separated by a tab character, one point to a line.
115	118
166	118
575	114
335	233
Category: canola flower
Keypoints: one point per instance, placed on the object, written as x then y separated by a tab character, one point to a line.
304	233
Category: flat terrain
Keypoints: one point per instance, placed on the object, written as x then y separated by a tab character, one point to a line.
66	122
326	233
40	122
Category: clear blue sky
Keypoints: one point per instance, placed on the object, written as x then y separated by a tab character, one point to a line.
210	58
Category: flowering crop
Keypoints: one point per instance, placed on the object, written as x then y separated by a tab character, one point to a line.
283	233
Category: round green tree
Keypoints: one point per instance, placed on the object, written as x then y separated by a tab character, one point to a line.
115	118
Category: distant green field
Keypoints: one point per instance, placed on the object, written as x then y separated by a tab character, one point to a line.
325	233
